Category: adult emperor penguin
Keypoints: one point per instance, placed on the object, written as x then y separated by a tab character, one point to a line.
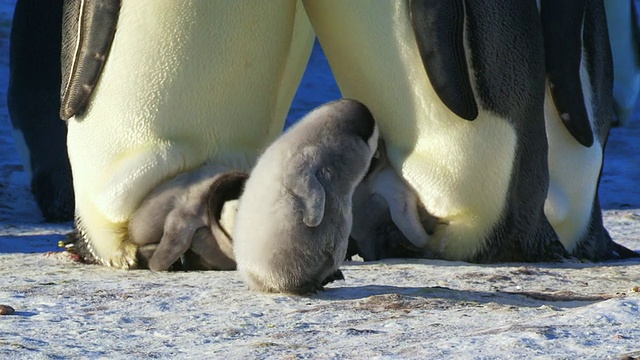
294	217
154	88
457	88
33	100
578	110
623	17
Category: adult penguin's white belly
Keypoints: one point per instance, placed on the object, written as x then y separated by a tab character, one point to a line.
184	83
574	171
461	170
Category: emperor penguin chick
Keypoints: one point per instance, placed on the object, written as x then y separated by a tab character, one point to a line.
179	225
294	217
388	219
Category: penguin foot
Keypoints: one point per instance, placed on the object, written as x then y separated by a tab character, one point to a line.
312	287
599	246
624	253
78	248
309	288
544	246
338	275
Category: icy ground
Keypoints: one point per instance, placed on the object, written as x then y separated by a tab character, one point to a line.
392	309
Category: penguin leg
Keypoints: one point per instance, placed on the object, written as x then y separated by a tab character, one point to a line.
352	249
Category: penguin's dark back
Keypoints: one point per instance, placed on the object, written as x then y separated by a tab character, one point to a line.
507	55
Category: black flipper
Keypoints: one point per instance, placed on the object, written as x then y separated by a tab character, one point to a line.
88	28
562	30
439	30
597	49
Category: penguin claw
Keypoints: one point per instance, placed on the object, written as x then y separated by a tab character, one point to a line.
318	287
338	275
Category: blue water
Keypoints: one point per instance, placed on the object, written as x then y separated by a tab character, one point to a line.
317	86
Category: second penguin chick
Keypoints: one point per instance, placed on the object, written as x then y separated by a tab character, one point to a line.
388	219
178	225
294	217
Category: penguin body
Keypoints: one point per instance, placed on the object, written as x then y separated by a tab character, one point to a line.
457	89
578	109
154	88
623	18
33	100
294	217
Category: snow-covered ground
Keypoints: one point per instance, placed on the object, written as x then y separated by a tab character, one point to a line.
391	309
